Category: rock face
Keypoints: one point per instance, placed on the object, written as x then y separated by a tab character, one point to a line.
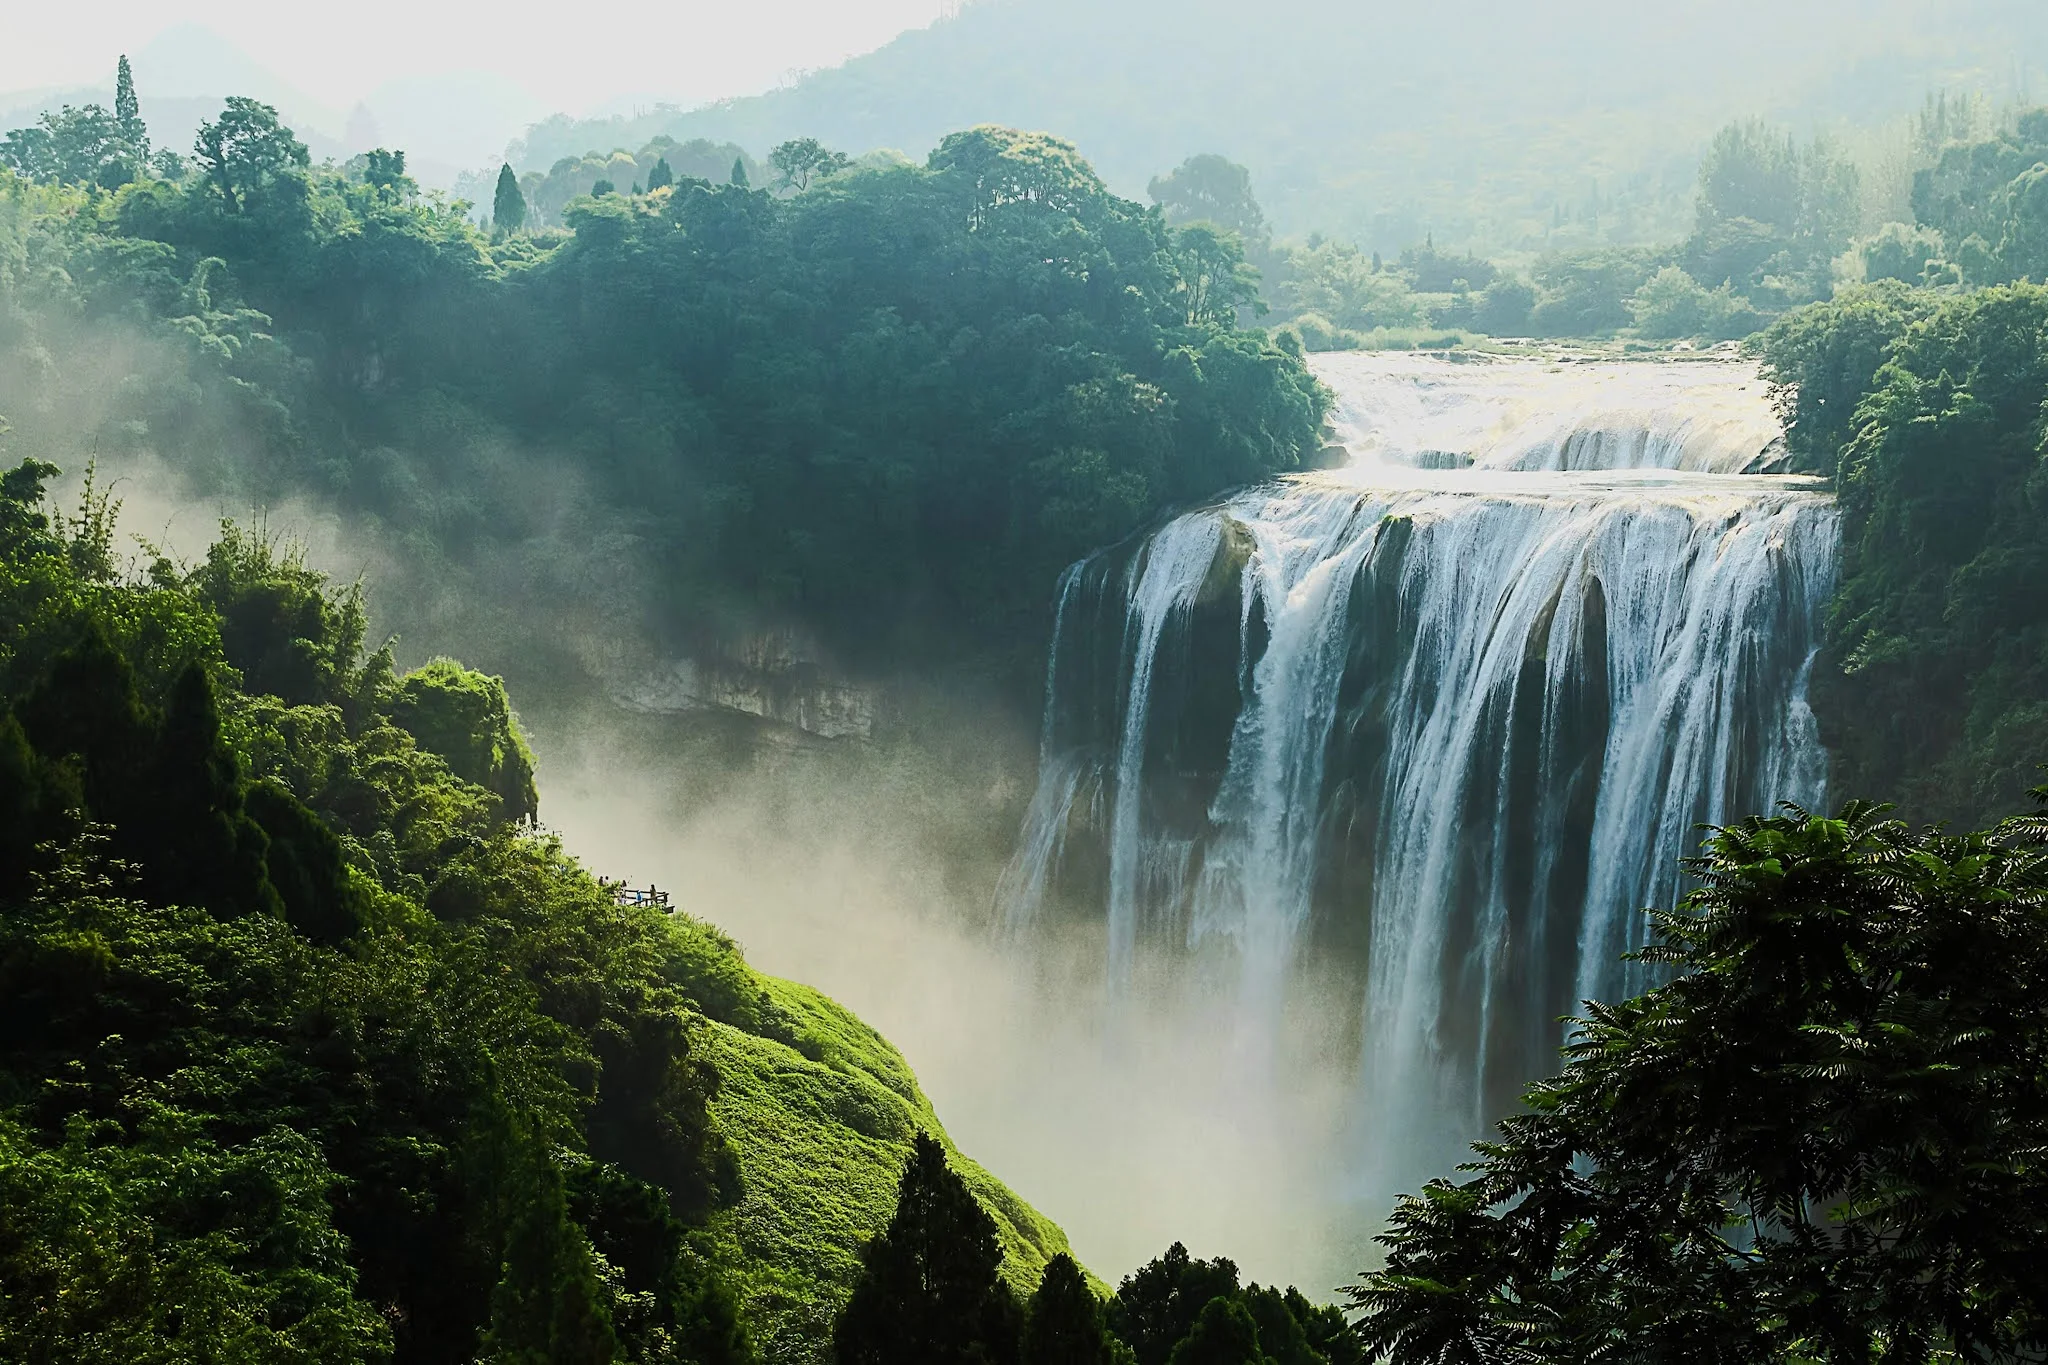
775	675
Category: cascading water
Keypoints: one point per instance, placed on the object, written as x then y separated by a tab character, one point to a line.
1453	712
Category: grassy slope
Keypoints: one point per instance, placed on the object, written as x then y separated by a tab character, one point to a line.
820	1109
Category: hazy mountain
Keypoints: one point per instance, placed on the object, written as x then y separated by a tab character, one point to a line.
446	123
1495	123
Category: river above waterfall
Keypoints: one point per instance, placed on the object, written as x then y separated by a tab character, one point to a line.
1445	719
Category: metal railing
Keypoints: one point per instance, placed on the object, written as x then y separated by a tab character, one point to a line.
623	894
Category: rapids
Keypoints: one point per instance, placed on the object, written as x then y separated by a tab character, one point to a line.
1448	716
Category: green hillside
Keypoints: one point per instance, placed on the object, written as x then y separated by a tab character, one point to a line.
821	1126
314	1048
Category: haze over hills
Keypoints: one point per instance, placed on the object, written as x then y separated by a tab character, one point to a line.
1500	126
1505	129
448	122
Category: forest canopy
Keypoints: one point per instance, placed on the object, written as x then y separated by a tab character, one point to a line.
887	403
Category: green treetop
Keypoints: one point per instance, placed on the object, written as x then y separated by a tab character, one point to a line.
931	1289
1210	189
248	156
508	205
799	162
128	124
1063	1323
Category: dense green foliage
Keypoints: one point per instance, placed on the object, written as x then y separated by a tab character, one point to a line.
888	403
930	1291
1987	201
310	1050
1821	1141
1928	409
1770	220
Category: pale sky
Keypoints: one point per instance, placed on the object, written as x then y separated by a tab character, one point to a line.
576	56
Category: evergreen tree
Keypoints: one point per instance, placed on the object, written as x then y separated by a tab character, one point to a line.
1158	1303
548	1307
739	172
508	205
930	1290
661	177
128	124
1224	1334
126	107
1063	1323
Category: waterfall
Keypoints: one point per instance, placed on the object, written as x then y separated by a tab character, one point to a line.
1452	713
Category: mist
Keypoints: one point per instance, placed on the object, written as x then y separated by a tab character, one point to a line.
1234	584
1135	1118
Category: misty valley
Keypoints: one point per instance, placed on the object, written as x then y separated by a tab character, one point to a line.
718	742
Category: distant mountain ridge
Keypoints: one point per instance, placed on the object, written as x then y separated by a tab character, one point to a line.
1486	125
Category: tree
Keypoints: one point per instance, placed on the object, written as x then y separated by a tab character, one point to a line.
1751	171
508	205
1210	189
1063	1323
1439	272
1006	169
1215	279
465	717
384	173
1900	251
1158	1303
1224	1334
2023	250
1504	307
930	1287
128	124
1770	207
1819	1141
739	172
661	177
247	156
548	1307
799	162
1672	304
83	146
1586	293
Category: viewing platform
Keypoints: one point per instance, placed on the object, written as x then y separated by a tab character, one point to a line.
622	894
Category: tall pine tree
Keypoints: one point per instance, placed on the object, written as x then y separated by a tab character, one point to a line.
1063	1324
930	1290
739	172
662	176
508	205
129	128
